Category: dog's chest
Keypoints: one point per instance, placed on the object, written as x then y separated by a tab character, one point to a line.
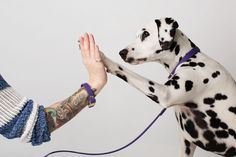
206	129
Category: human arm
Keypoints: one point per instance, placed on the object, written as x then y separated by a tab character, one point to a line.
61	112
23	118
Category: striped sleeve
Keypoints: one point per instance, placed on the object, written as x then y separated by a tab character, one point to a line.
21	117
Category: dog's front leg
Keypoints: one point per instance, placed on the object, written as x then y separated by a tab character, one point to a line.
154	91
177	90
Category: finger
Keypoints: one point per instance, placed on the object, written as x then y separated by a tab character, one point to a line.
92	45
86	44
97	53
83	53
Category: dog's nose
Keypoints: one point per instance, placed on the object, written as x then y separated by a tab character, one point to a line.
123	53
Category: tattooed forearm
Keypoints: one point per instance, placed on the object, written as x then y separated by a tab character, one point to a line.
60	113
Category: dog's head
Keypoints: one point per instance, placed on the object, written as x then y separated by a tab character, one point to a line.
151	41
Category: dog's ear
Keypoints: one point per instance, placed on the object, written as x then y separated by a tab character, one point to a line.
166	31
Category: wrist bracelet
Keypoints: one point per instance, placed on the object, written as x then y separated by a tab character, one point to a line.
91	98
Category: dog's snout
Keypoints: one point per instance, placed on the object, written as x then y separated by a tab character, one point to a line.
123	53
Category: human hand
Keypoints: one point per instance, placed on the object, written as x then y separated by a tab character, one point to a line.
92	61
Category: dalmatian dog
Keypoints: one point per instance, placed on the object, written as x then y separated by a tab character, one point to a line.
201	91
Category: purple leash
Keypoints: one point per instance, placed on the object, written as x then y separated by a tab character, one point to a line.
113	151
191	53
186	57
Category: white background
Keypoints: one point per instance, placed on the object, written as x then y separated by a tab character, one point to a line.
41	60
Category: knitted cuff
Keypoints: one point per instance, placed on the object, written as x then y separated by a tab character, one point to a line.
28	130
19	117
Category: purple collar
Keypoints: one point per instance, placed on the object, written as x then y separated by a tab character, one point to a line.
192	52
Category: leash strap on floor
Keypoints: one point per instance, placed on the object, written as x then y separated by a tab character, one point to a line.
113	151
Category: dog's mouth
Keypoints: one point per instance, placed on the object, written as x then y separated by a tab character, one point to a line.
133	61
129	60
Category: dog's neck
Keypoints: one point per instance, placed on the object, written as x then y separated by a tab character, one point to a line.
170	59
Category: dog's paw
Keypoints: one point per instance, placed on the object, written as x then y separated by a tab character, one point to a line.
111	66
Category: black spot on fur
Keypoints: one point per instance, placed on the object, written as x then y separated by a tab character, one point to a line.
201	64
232	109
121	68
123	77
145	35
153	97
191	105
192	64
220	147
169	20
199	119
187	145
215	74
151	83
190	128
192	44
168	83
158	22
209	101
187	150
199	114
177	50
222	134
205	81
219	96
223	125
232	132
188	85
175	77
214	146
175	84
180	58
152	89
172	82
211	113
201	123
166	65
181	122
183	115
184	65
158	51
208	135
175	25
215	122
199	144
172	46
194	56
172	32
230	152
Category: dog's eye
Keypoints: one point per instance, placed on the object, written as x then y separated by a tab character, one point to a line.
144	35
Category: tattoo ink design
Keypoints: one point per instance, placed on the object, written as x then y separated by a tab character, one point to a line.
60	113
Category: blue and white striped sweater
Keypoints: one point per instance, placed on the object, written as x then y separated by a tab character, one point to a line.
21	117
